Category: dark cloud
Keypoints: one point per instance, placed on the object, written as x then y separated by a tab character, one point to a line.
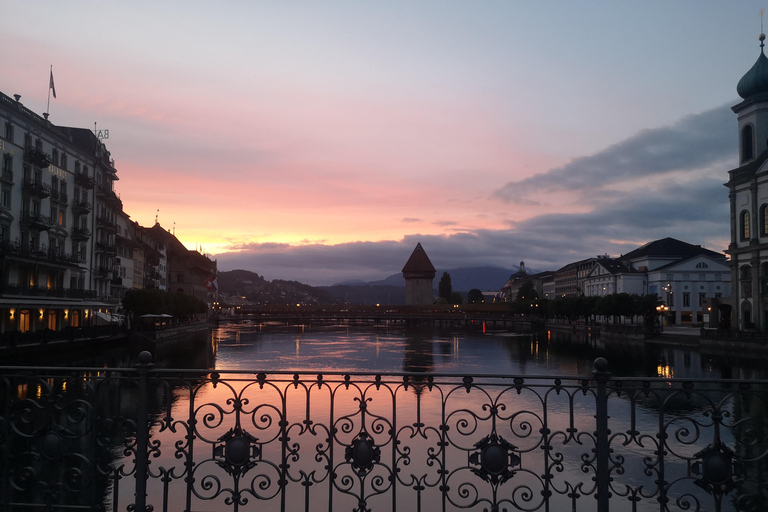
676	177
695	142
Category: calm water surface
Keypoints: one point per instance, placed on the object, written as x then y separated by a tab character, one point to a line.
265	348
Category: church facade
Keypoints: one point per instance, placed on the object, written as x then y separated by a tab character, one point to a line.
748	194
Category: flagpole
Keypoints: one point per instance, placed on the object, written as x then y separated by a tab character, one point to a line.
48	109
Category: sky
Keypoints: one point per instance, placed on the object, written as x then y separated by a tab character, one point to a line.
320	141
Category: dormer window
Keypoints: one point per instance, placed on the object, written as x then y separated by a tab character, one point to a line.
747	143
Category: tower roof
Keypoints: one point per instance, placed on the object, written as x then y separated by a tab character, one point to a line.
418	262
755	81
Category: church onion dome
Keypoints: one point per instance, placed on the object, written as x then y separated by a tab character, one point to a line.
755	81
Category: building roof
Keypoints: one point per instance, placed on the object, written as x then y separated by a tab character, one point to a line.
418	262
755	81
614	266
669	248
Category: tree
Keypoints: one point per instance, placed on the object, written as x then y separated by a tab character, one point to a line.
444	288
474	296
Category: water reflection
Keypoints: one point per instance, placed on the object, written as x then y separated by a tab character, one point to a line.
357	438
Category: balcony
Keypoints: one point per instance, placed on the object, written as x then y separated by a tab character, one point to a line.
80	234
61	197
82	179
81	207
7	176
106	247
36	222
36	188
36	157
42	254
117	281
103	272
106	224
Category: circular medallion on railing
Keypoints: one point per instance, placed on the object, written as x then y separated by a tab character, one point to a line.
716	469
496	459
362	453
237	451
51	445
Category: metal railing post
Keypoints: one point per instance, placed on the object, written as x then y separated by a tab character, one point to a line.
142	432
602	475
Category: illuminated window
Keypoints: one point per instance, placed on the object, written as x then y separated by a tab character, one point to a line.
764	220
24	318
744	225
52	320
75	318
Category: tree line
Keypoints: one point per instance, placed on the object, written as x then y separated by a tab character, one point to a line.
613	306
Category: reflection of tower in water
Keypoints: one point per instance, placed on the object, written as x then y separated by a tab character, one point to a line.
418	358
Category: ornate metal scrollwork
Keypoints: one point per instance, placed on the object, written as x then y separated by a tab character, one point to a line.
362	453
236	452
496	459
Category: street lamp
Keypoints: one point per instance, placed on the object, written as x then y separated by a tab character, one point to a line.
662	310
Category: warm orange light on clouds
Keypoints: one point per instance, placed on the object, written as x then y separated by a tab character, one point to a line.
496	126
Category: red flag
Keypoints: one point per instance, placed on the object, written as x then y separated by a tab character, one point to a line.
51	86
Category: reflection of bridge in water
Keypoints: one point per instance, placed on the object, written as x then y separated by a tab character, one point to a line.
88	439
498	317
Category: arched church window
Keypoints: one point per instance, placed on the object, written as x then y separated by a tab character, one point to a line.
744	225
747	143
764	220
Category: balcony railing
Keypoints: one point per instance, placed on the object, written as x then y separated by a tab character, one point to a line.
41	254
59	196
106	247
37	222
148	439
7	175
36	188
36	157
82	179
81	207
80	234
105	223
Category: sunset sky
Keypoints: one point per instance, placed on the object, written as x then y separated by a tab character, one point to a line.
320	141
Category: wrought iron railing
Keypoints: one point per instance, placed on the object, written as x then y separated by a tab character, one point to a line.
145	439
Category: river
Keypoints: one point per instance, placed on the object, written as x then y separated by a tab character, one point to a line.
515	435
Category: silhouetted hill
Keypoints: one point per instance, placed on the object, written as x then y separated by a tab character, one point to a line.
462	279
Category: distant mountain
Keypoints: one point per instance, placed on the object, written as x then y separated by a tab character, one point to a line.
256	289
462	279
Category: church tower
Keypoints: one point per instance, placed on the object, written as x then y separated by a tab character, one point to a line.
748	194
419	273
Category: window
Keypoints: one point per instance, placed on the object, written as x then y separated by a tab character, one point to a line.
55	156
36	208
702	296
25	173
27	140
764	220
75	318
77	166
744	225
671	299
701	264
24	318
747	143
745	272
686	299
8	131
7	163
62	218
718	295
52	320
54	214
64	161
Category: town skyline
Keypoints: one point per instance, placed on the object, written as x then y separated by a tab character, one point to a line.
323	144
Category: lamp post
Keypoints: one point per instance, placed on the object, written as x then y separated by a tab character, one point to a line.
662	310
